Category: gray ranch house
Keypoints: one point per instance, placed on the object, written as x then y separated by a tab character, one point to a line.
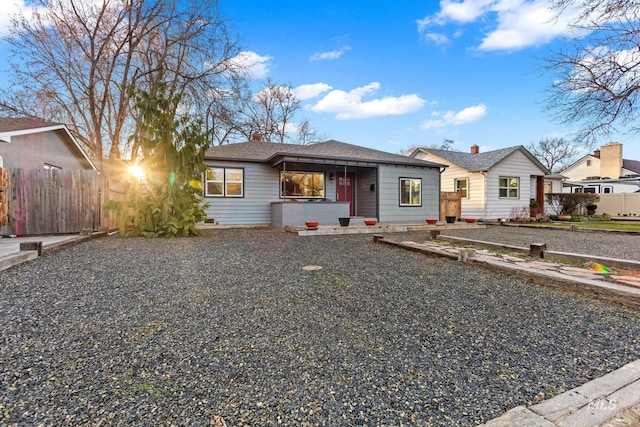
285	184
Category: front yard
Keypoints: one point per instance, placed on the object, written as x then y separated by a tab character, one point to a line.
180	331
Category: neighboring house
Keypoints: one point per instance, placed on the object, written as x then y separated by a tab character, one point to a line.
604	172
284	184
495	184
30	143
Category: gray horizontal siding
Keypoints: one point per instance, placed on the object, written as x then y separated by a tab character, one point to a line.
260	189
32	151
389	187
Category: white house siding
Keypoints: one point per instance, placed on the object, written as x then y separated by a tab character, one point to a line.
261	183
552	186
473	205
32	151
515	165
389	196
580	170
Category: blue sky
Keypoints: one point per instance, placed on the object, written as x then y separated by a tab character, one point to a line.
407	72
392	74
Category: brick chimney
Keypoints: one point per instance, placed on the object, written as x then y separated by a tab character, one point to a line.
475	149
256	137
611	160
596	153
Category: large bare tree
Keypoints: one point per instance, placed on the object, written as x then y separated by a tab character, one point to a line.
597	72
76	61
268	113
554	153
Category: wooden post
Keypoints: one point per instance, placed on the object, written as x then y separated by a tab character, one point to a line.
377	238
536	250
434	234
466	255
31	246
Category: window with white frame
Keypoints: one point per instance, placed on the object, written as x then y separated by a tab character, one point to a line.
224	182
509	187
307	185
462	186
410	192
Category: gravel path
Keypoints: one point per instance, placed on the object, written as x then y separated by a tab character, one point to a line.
177	332
606	244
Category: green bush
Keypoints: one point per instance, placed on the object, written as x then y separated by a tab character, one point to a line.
569	203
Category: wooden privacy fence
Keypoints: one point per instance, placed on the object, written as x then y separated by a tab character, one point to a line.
49	201
450	204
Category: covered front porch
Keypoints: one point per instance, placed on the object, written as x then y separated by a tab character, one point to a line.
324	190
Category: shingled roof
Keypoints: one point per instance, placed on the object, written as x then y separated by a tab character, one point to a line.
632	165
481	161
331	150
15	124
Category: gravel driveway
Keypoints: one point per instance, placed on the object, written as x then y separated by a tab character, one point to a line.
156	332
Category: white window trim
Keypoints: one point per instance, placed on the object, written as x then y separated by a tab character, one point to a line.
224	182
455	185
411	180
508	178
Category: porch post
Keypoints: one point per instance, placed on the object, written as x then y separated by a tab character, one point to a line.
540	193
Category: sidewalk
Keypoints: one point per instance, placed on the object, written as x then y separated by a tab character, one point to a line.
10	253
592	403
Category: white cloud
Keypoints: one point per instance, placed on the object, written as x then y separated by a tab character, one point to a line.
350	105
437	38
256	66
467	115
311	90
518	23
334	54
11	9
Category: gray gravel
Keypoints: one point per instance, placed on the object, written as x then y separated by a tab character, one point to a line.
176	332
606	244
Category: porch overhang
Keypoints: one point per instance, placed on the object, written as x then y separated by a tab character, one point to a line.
320	160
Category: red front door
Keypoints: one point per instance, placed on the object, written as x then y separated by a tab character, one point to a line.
345	191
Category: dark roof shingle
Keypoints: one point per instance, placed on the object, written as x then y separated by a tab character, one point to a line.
632	165
481	161
265	151
13	124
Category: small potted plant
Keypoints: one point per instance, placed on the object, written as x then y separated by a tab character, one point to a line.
312	225
591	209
450	219
431	221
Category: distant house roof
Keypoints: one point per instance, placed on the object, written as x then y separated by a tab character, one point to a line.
327	151
18	126
632	165
15	125
482	161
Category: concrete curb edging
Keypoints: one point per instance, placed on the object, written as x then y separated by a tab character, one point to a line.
590	404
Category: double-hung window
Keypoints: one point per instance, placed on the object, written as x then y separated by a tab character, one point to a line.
462	186
224	182
509	187
410	192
